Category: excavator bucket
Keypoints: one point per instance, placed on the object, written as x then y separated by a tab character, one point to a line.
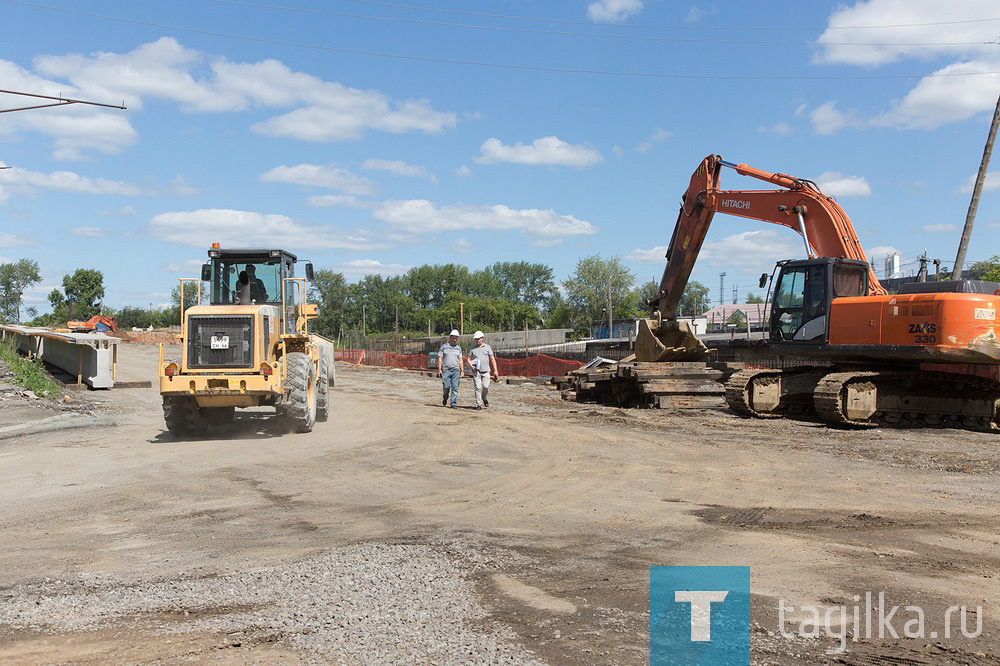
667	341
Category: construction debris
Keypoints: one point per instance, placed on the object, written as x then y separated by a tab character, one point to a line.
680	385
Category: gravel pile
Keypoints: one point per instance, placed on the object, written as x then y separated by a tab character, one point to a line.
369	603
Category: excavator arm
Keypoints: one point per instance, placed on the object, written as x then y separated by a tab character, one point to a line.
798	204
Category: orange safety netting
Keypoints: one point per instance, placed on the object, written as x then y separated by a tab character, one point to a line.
538	365
350	355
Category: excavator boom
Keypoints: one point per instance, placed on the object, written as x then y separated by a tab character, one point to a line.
799	205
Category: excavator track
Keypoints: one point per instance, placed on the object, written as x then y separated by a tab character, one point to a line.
829	397
901	399
739	393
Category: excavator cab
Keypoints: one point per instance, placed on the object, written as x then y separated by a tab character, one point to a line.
805	291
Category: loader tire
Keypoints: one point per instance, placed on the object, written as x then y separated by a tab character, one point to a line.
297	412
323	392
183	416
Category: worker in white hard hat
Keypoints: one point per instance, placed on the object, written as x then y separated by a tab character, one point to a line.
483	363
450	369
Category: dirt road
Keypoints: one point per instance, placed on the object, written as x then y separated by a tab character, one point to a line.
404	532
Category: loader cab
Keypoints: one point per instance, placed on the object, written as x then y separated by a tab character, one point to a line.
803	294
247	276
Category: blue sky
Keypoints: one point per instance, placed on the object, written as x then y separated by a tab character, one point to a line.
370	137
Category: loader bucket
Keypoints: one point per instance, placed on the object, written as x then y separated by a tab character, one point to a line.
667	341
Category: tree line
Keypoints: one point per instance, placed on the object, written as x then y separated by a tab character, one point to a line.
427	299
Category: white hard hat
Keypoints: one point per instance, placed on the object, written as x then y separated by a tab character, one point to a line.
477	335
454	331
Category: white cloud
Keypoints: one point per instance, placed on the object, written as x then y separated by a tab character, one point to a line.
922	30
90	232
940	100
548	150
13	240
74	130
656	137
613	11
462	171
780	128
827	119
189	267
180	187
912	29
345	200
359	268
124	211
462	246
202	83
28	182
876	255
991	182
933	228
756	250
694	14
398	167
237	228
421	216
836	184
547	242
316	175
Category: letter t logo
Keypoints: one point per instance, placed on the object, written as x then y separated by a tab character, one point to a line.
701	610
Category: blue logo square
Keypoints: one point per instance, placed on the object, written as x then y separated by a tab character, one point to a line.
699	615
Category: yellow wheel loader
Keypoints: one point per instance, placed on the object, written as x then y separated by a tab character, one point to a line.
248	346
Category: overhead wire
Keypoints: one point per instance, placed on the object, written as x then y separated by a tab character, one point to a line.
455	61
561	33
671	27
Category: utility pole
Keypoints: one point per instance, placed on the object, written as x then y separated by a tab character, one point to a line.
610	319
722	288
922	273
963	246
461	318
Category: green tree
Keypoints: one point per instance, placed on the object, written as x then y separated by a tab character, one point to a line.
14	279
81	294
753	298
523	281
587	290
694	300
328	290
988	270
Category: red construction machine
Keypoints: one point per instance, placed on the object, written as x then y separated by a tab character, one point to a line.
859	356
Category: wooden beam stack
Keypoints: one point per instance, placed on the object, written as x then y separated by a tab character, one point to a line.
666	385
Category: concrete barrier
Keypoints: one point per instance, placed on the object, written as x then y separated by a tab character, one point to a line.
90	357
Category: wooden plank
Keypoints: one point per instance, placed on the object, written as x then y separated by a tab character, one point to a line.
687	402
683	387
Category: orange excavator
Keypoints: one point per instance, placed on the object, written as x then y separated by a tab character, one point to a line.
841	347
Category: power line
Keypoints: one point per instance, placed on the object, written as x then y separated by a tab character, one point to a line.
535	68
587	34
670	27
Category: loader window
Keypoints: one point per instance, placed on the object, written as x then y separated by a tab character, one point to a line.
242	281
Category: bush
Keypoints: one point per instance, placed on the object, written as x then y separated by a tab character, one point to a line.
28	373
